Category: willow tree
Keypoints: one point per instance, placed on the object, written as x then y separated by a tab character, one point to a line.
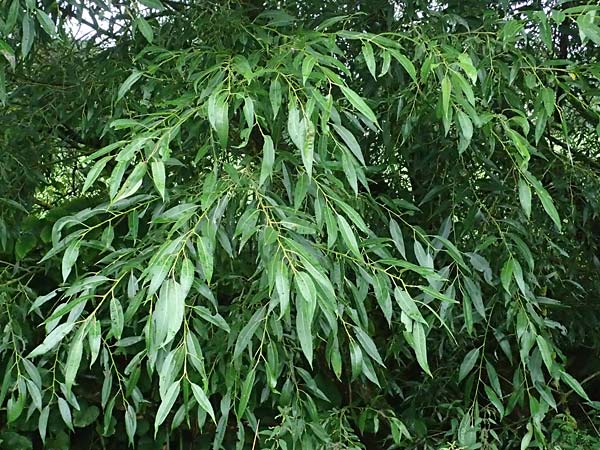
296	225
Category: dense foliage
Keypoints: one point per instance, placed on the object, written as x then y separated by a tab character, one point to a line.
299	225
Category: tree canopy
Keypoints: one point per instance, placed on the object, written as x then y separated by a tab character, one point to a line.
299	224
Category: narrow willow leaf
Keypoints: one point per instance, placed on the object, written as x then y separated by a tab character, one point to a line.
35	394
304	317
168	313
247	332
494	399
268	160
406	64
132	183
466	64
468	363
350	141
202	400
282	286
446	89
73	361
525	197
420	346
159	177
128	84
348	236
546	352
506	274
27	35
275	96
52	340
69	258
145	28
245	393
46	22
307	66
116	318
408	305
94	340
166	405
186	276
356	359
206	257
574	384
130	424
218	116
308	148
474	292
358	102
94	173
383	297
367	51
397	237
65	413
43	422
548	205
368	345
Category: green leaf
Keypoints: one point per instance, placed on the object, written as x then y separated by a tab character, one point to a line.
397	237
268	160
168	313
282	286
348	236
367	51
350	141
218	116
73	361
156	4
383	297
275	96
446	89
356	359
466	64
27	35
159	177
247	332
245	393
69	258
308	148
574	384
546	351
203	401
358	103
548	204
130	424
46	22
307	66
52	340
408	305
525	197
420	346
306	306
166	405
132	183
474	292
406	63
587	28
506	274
43	422
145	28
94	173
128	84
468	363
205	255
65	412
116	318
368	345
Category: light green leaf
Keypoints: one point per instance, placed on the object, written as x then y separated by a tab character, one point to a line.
128	83
268	160
166	405
145	28
468	363
466	64
69	258
548	204
159	177
247	332
275	96
282	286
245	393
27	35
205	255
446	89
408	305
348	236
350	141
52	340
116	318
307	66
420	346
368	345
218	116
65	412
308	148
358	102
46	22
397	237
130	424
525	197
367	51
203	401
574	384
73	360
